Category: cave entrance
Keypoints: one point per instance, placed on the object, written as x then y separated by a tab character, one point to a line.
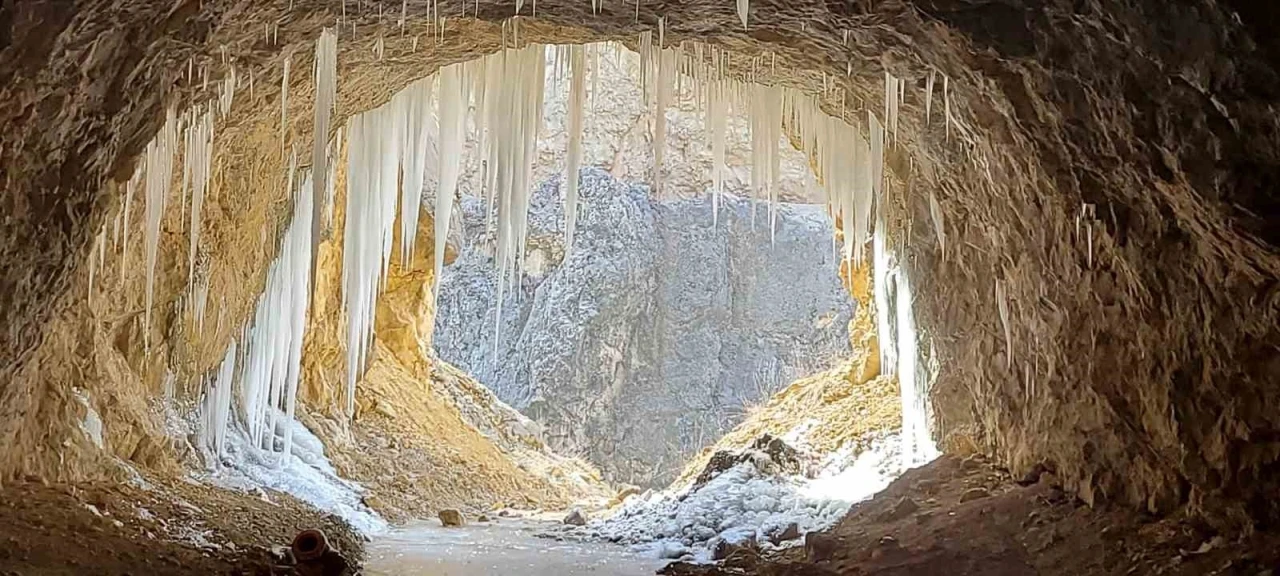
676	268
286	305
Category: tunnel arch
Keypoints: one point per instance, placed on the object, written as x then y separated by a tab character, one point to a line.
1135	353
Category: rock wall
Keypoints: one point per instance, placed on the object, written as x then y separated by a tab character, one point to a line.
657	331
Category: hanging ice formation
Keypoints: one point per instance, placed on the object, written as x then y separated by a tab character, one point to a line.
197	161
159	158
454	98
577	85
416	99
284	103
326	75
515	145
665	63
386	146
373	170
766	129
743	6
270	347
132	185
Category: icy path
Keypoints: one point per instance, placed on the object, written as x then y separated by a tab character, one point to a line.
508	547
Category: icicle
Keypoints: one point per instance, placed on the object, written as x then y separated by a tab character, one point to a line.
326	75
159	156
665	63
928	96
935	212
417	145
284	103
577	85
227	92
199	158
216	408
1002	306
743	6
718	102
946	104
453	140
134	182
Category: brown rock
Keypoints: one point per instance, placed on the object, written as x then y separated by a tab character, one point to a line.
576	518
1033	475
482	518
974	494
790	532
451	518
725	549
903	508
819	546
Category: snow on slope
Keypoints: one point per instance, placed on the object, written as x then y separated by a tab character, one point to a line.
306	474
745	503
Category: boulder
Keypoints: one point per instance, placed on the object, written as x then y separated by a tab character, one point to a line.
451	518
576	518
789	532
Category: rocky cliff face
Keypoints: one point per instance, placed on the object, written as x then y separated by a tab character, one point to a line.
657	331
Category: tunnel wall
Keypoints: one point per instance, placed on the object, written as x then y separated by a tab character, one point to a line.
1136	353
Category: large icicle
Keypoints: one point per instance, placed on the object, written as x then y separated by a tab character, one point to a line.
417	101
665	63
159	156
514	143
326	75
453	139
717	108
284	102
198	158
577	86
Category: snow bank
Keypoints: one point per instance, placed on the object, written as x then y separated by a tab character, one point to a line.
305	473
744	503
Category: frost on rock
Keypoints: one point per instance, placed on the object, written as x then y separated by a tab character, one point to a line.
746	501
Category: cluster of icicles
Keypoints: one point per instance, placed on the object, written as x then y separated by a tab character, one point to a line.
418	137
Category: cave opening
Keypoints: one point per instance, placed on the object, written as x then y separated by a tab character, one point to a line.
220	304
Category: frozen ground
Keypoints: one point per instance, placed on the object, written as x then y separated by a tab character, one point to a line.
744	503
508	547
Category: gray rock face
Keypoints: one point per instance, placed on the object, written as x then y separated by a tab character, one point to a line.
657	331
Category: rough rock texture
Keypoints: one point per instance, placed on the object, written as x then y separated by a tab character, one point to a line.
1143	367
657	332
834	416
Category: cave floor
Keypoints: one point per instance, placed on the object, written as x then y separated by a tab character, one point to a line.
156	526
964	517
505	546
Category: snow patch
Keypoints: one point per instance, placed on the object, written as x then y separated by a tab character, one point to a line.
742	503
304	472
92	423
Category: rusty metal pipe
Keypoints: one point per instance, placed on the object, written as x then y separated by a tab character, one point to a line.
309	545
